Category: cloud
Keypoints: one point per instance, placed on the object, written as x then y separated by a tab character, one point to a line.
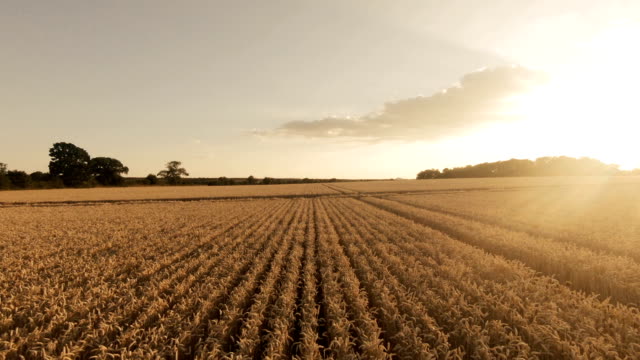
480	97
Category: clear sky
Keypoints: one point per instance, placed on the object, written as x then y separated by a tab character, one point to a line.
346	89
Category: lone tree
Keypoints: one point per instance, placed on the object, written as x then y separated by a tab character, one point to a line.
69	162
107	171
173	173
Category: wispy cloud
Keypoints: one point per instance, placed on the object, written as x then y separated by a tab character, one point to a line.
478	98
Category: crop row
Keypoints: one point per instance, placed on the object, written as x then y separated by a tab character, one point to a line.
582	268
334	277
601	219
500	304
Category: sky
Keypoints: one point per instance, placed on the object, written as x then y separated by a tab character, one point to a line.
320	89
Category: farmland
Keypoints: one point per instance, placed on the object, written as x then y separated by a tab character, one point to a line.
159	193
543	268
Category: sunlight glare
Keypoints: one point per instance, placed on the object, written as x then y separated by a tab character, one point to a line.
590	107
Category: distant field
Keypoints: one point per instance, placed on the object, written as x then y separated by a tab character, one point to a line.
545	268
160	193
482	183
137	193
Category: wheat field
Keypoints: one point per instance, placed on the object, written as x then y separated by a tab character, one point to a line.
159	193
545	269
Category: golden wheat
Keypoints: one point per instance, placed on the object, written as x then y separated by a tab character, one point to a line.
351	274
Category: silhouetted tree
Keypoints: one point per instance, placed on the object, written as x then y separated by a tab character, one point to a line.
151	179
173	173
544	166
222	180
251	180
267	181
69	162
107	171
4	180
38	176
428	174
39	179
18	179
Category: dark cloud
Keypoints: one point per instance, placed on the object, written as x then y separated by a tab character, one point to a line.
479	98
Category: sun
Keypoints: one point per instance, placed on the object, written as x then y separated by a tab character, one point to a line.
590	106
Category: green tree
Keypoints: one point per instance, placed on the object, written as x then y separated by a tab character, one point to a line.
69	162
107	171
173	173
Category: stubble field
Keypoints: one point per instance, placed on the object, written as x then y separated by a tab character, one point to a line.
473	269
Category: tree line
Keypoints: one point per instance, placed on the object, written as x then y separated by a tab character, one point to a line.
72	166
224	181
544	166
